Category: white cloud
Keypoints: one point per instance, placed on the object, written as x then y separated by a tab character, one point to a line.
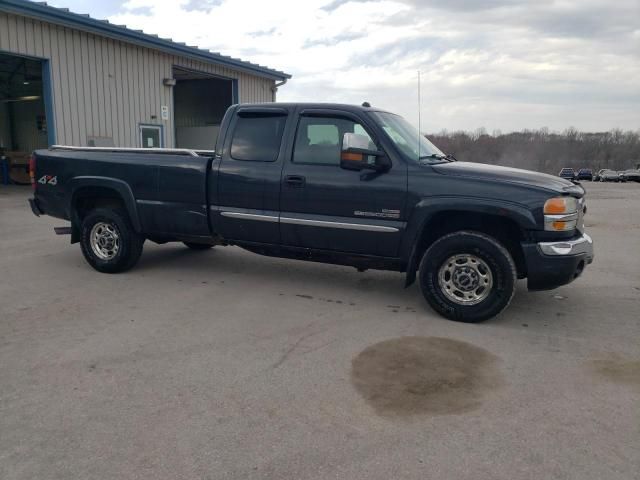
501	64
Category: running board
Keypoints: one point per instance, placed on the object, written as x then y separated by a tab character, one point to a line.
62	230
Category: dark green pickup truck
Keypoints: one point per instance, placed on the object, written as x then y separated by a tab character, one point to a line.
341	184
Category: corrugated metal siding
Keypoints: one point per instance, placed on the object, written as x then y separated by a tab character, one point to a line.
105	88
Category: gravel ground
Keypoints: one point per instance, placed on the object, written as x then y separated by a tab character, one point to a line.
225	364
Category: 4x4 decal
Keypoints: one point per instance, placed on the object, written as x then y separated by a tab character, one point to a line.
48	180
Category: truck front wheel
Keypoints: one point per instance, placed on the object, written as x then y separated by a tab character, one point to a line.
108	241
467	276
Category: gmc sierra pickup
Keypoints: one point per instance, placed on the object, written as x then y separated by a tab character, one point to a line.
340	184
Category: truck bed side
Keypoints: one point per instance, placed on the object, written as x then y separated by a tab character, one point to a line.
164	194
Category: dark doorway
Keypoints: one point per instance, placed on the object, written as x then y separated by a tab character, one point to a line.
200	101
23	122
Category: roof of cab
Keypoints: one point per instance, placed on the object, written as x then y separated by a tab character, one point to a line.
313	105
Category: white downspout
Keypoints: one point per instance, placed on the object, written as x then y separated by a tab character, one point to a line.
274	89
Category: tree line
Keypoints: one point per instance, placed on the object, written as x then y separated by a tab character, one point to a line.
543	150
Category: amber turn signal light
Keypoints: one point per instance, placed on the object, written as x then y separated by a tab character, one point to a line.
559	205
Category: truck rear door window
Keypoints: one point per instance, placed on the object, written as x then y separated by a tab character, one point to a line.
257	138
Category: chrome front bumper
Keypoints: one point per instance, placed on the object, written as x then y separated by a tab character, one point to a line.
578	246
552	264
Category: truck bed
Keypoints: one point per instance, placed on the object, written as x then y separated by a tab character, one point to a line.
164	190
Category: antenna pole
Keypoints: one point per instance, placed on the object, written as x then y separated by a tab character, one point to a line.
419	116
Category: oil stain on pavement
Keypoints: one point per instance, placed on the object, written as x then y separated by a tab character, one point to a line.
618	370
424	376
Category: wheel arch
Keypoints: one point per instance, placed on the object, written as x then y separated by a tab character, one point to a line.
506	222
87	193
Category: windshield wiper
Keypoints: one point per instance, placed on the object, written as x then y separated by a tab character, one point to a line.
437	156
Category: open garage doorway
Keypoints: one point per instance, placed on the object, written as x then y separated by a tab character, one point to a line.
23	121
200	101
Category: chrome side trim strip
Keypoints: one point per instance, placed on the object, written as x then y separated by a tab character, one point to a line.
310	223
345	226
250	216
169	151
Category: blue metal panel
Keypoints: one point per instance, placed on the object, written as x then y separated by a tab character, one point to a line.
47	92
234	89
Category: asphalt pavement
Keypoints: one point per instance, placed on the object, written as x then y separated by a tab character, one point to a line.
225	364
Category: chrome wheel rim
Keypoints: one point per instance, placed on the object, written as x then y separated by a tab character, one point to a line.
465	279
104	240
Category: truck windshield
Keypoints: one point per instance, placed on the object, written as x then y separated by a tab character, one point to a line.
406	138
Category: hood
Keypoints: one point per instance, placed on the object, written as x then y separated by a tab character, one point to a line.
483	171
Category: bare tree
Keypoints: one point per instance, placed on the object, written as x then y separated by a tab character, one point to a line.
543	150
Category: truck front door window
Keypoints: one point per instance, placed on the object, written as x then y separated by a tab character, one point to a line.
318	140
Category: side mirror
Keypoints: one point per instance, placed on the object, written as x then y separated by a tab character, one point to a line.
360	153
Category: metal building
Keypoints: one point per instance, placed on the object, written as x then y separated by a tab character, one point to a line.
71	79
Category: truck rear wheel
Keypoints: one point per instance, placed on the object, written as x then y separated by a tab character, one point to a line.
467	276
108	241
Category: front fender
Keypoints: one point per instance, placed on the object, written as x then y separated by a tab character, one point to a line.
427	208
120	187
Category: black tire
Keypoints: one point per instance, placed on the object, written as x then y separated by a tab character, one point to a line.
482	247
198	246
129	242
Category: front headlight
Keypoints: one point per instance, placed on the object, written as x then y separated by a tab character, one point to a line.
560	214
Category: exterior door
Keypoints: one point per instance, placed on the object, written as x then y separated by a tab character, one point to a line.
326	207
151	136
248	185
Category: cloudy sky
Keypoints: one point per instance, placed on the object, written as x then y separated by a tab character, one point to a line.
498	64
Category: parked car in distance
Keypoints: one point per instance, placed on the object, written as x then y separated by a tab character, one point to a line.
630	175
568	173
584	174
607	175
330	183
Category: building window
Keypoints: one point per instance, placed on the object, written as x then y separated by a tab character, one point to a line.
151	136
